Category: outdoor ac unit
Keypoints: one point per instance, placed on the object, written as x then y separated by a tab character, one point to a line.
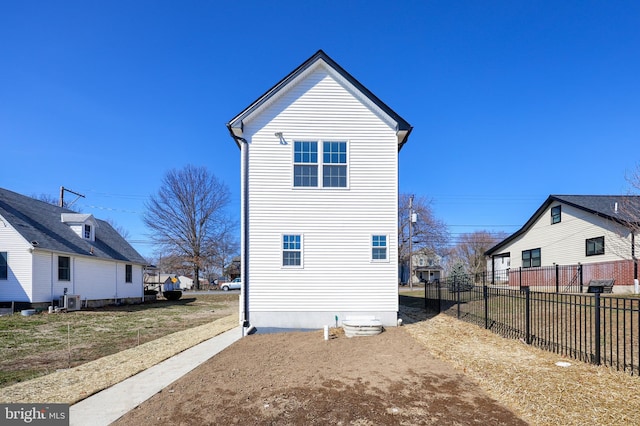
70	302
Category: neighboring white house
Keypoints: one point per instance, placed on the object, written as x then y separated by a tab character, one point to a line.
575	229
427	266
319	166
47	251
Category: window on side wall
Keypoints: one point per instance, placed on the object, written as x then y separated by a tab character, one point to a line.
334	168
64	268
4	266
327	170
556	214
128	273
595	246
379	248
305	163
292	250
531	258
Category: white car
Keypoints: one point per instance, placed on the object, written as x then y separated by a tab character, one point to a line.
232	285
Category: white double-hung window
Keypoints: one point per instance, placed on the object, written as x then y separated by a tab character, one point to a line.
327	170
292	250
379	248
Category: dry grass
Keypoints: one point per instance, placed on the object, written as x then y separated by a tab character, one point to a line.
523	378
72	385
41	344
527	379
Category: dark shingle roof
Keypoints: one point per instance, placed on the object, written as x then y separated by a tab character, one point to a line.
40	224
624	209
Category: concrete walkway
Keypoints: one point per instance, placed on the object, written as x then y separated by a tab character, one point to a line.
110	404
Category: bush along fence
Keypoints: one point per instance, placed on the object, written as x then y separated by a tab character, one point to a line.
602	330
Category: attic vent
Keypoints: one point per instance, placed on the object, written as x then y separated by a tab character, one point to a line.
34	243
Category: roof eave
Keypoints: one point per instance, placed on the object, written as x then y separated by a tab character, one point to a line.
235	125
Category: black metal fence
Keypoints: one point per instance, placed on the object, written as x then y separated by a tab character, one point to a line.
602	330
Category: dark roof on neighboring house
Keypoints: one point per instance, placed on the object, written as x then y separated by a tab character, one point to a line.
40	224
623	209
402	125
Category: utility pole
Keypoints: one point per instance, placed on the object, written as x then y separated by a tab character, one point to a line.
411	242
62	190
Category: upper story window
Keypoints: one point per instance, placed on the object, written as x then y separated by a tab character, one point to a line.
305	164
87	232
556	213
379	247
128	273
64	268
4	266
334	169
531	258
595	246
291	250
311	169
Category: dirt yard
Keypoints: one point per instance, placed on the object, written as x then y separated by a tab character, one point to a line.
432	370
299	378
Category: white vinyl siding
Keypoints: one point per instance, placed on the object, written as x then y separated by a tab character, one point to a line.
338	273
17	286
563	243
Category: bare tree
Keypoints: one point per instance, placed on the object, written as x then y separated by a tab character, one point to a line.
471	248
187	215
50	199
425	232
124	233
224	250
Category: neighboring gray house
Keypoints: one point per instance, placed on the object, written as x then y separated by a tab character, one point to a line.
47	251
575	229
319	167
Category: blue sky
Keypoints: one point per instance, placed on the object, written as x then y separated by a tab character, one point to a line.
511	101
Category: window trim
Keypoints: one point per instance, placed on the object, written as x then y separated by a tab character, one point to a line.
594	242
63	268
531	252
556	217
320	163
373	246
299	250
4	265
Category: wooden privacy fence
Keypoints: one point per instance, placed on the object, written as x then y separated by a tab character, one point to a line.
563	278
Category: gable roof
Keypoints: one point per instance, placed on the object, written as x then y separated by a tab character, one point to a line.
618	208
40	224
235	125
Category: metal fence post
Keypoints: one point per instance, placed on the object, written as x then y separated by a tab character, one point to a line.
455	286
439	296
425	295
485	296
597	330
557	278
527	315
580	276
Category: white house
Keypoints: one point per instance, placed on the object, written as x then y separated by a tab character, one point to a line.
427	266
47	251
319	165
576	229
